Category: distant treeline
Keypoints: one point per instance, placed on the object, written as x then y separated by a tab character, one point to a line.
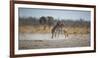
51	21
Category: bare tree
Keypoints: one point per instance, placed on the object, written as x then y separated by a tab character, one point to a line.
43	21
50	21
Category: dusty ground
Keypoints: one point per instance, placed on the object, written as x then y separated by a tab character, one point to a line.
40	41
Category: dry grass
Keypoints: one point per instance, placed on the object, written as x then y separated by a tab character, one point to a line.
40	29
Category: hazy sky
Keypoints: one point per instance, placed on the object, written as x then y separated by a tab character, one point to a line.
61	14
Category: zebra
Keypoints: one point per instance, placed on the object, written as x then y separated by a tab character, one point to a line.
58	29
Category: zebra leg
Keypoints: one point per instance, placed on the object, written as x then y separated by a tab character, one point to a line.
55	34
59	33
52	35
66	34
